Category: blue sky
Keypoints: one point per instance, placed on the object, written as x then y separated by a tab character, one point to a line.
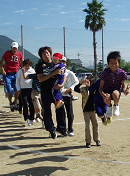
43	22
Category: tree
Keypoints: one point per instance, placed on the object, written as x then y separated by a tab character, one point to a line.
95	21
125	65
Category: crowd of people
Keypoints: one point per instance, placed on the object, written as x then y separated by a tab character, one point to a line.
51	82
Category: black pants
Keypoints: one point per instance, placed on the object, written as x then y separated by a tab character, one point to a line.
27	102
69	110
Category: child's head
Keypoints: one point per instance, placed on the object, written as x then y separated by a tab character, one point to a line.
57	58
27	63
114	55
113	60
92	79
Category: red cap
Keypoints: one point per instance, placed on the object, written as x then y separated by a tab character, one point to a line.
57	56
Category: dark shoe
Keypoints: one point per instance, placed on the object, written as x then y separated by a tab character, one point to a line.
98	143
15	106
12	107
88	145
63	133
53	134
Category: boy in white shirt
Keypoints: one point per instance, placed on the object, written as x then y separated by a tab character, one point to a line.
24	86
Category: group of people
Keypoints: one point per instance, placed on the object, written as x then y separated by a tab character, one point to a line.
51	82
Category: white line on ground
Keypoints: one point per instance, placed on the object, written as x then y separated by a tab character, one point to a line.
61	156
35	127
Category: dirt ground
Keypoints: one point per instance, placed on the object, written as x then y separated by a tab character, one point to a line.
28	151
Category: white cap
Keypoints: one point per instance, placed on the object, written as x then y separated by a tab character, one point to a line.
14	45
64	58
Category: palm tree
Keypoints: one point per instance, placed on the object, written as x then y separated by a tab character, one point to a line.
95	21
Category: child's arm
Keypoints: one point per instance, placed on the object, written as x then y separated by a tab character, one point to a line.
125	91
104	95
25	77
77	87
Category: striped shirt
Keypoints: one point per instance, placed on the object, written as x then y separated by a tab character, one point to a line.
113	81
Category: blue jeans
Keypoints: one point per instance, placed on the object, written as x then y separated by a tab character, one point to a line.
10	82
47	99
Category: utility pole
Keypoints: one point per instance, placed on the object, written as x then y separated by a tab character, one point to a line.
64	41
102	52
22	40
78	54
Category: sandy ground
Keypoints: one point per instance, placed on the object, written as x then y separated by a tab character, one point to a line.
28	151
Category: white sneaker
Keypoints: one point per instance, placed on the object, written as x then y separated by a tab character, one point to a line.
75	98
38	120
32	121
70	133
116	111
28	122
109	111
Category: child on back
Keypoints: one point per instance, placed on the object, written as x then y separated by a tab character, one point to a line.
59	78
35	94
113	80
88	111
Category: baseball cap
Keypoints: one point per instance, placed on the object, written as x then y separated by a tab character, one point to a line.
57	56
14	45
64	58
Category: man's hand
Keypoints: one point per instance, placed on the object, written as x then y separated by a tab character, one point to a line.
56	72
3	72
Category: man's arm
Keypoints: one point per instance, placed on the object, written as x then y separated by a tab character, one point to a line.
42	77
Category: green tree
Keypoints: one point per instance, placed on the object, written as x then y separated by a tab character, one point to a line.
100	66
95	21
125	65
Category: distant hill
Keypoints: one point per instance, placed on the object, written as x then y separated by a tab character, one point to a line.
5	43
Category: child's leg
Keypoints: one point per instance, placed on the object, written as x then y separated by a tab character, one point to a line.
116	97
35	95
88	135
94	121
57	94
101	110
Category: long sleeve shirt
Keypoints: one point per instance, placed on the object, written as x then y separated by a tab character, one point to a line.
71	82
22	83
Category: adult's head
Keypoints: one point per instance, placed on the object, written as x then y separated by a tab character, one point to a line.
45	54
64	60
14	47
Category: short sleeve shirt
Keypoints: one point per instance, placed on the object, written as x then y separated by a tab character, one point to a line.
46	86
12	61
113	81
